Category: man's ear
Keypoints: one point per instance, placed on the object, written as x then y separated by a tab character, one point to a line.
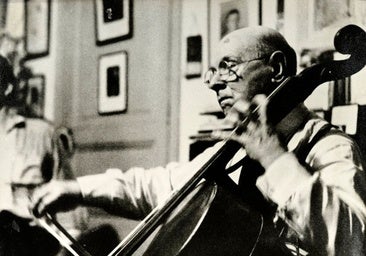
278	62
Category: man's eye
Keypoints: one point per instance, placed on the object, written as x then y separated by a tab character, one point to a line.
232	67
226	64
231	64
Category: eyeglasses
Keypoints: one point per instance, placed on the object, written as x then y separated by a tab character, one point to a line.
227	70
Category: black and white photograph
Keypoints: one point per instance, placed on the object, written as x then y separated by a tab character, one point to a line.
182	127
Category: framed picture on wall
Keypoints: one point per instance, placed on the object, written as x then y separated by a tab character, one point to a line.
112	89
113	20
229	15
326	17
35	95
329	12
37	28
193	67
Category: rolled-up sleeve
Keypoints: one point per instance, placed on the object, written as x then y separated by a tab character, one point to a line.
324	202
131	194
135	192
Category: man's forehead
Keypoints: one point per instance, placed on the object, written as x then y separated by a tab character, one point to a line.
233	47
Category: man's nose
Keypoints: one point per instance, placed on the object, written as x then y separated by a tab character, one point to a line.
216	83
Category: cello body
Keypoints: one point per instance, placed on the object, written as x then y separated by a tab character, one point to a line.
213	221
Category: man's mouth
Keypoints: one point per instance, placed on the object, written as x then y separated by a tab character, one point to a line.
226	102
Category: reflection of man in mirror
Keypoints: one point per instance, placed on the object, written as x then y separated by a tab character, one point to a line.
32	153
230	22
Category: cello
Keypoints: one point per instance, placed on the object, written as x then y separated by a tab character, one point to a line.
184	224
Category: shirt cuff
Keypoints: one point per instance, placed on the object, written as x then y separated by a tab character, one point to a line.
90	185
282	178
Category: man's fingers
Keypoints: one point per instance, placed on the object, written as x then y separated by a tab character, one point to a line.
241	139
261	101
239	112
221	135
242	106
36	200
252	128
41	201
39	207
47	204
225	135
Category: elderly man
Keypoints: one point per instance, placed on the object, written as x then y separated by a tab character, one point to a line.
312	175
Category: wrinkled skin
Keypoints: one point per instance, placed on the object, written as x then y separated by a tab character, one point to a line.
238	98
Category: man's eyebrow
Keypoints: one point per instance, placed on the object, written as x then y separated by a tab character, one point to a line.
230	58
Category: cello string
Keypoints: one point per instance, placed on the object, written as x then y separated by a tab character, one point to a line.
258	237
120	247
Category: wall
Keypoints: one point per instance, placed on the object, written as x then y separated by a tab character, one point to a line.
193	94
141	132
142	135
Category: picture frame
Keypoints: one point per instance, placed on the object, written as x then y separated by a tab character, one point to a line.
35	96
193	68
112	89
328	13
228	15
326	17
113	20
37	28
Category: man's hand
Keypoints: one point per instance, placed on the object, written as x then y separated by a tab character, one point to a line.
56	196
259	138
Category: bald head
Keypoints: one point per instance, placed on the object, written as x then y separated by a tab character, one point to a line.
254	42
